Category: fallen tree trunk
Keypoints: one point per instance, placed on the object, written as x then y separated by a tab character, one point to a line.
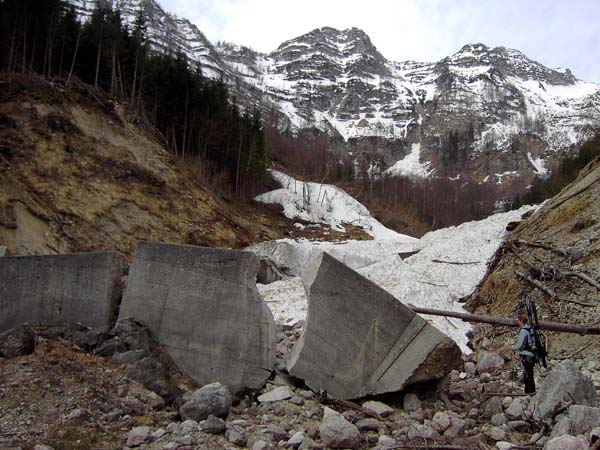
506	322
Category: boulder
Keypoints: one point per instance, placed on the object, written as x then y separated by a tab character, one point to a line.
489	362
18	341
204	307
212	399
359	340
578	420
337	432
564	383
567	442
151	372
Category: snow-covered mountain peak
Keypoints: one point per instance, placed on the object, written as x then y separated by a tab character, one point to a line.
484	112
507	62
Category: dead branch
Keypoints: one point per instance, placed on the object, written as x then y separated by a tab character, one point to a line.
538	284
458	263
584	277
576	352
561	251
432	284
550	292
529	265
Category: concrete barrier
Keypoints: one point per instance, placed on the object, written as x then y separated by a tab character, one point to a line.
55	289
359	340
203	305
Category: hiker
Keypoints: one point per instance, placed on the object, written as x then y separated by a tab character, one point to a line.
524	347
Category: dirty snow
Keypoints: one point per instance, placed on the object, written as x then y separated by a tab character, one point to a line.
324	203
450	264
411	165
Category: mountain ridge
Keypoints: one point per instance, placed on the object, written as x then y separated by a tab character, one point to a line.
490	114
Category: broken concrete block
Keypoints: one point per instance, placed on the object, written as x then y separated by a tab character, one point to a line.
203	305
359	340
56	289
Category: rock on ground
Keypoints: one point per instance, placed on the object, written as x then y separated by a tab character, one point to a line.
564	383
277	394
337	432
579	420
567	442
17	341
212	399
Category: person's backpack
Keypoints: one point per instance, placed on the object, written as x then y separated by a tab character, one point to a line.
536	341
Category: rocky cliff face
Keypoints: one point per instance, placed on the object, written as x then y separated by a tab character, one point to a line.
488	114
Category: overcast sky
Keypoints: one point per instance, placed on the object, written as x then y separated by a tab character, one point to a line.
556	33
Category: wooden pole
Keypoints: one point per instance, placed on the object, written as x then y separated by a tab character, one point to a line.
503	321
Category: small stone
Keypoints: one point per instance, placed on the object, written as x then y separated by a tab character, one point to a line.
499	419
422	431
42	447
276	395
185	440
411	402
297	400
260	445
503	445
470	368
212	399
307	394
496	433
379	408
158	434
489	362
77	417
138	436
296	439
213	425
187	426
278	432
515	411
236	436
153	400
441	420
492	406
369	424
456	426
135	406
337	432
386	441
518	425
